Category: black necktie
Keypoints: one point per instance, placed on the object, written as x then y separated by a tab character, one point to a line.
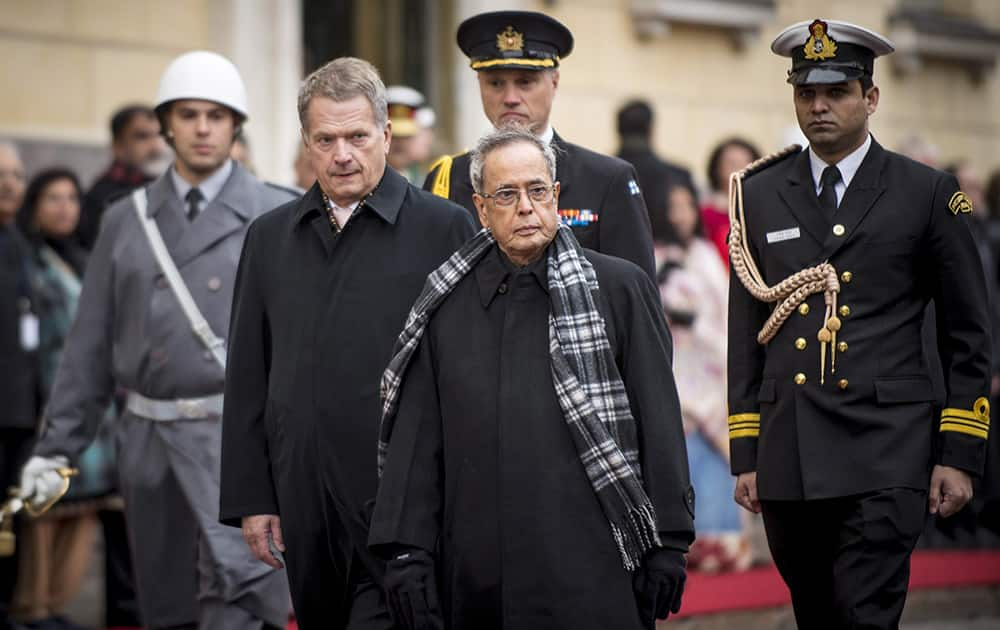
193	198
827	194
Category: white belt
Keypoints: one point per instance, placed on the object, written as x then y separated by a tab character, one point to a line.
179	409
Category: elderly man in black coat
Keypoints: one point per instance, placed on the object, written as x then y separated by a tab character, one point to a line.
324	285
536	469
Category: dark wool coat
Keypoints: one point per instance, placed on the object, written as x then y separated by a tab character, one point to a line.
315	317
482	470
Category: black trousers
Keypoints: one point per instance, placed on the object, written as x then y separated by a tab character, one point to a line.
846	560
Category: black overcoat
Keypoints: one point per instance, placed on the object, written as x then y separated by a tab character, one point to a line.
482	469
899	238
19	386
604	185
315	316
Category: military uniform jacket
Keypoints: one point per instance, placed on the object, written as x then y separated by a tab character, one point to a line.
899	238
129	329
599	198
482	468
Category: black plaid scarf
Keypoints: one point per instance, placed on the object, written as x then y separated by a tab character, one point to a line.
587	383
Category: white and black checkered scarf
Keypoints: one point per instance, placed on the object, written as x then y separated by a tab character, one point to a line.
587	383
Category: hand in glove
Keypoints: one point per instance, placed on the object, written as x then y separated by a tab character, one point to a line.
40	478
411	591
659	584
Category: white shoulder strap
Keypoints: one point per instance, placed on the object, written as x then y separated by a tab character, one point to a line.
198	322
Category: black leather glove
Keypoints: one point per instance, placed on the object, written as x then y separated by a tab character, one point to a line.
411	591
659	584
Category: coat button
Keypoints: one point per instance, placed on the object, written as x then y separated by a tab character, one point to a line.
844	310
502	288
214	283
800	379
838	230
157	355
842	346
160	282
842	383
800	343
207	355
846	277
803	309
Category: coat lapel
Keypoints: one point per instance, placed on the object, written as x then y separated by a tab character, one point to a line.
163	204
563	162
227	213
865	189
799	195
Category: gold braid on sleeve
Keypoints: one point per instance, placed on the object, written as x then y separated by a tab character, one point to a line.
791	291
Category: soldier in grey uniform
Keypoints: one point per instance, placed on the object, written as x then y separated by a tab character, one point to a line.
131	331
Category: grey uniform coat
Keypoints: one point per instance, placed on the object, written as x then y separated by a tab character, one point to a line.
130	332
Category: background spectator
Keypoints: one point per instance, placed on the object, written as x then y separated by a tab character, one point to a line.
729	156
656	176
56	547
693	289
18	366
139	155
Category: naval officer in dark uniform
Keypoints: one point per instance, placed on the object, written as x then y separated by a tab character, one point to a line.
516	55
833	434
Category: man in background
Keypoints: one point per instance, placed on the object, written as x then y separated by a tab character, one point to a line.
139	155
656	176
18	369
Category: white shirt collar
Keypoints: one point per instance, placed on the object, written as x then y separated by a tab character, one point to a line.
848	166
210	187
546	136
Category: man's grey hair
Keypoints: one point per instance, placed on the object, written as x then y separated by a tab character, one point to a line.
506	136
341	80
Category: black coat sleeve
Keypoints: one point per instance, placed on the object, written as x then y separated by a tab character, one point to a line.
410	497
246	483
624	223
646	369
963	330
745	366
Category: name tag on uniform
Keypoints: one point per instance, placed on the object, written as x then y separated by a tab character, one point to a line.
783	235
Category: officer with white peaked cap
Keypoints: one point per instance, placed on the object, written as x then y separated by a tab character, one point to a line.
836	251
153	312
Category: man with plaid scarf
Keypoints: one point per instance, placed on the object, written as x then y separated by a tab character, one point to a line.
531	451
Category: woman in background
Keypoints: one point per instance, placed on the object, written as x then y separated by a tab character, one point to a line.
57	545
693	290
727	157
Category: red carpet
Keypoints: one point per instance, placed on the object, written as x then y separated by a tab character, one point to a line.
763	588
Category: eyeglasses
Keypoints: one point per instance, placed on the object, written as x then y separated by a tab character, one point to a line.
507	197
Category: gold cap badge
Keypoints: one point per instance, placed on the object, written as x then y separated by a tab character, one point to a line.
960	202
509	40
820	45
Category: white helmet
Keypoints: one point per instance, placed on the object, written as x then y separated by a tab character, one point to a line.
204	76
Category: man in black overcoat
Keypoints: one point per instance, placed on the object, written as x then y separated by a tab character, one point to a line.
323	287
516	56
487	494
832	431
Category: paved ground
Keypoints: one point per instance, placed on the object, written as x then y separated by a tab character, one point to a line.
956	609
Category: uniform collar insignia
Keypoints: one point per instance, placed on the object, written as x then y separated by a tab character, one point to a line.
820	45
509	40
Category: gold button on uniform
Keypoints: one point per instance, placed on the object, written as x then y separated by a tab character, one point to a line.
800	343
800	379
803	309
842	346
842	383
846	277
838	230
845	310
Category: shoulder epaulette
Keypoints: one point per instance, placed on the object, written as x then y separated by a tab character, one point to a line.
442	181
288	189
770	160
